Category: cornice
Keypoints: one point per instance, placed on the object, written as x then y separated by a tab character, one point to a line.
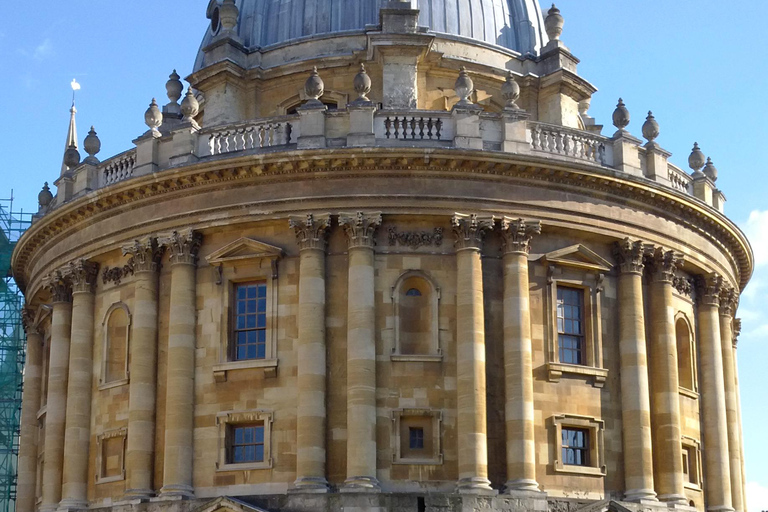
338	163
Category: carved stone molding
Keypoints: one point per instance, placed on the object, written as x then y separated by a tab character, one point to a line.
683	285
663	264
360	228
518	233
145	254
116	274
629	256
736	331
59	285
729	300
416	239
470	230
183	245
311	230
708	289
28	320
83	274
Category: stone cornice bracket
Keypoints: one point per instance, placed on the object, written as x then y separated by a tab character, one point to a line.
183	246
145	254
708	289
59	285
83	274
729	301
470	230
629	256
360	228
663	264
311	230
518	233
736	331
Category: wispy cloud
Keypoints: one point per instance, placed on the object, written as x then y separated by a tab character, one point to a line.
757	496
43	50
757	231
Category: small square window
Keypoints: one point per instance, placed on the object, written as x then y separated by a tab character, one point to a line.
110	457
244	440
579	445
416	438
691	463
575	446
246	444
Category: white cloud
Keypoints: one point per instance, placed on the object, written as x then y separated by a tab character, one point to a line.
44	49
757	231
757	497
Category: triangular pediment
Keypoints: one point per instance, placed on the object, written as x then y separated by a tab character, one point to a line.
227	504
244	249
577	256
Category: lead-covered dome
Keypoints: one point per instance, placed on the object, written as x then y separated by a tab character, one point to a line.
513	24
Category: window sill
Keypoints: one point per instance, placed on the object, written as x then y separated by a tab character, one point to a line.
113	384
692	487
220	370
688	393
556	370
110	479
419	462
417	358
580	470
244	467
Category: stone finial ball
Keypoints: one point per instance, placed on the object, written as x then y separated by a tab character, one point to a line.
189	105
510	91
710	171
45	197
554	23
92	143
153	117
228	14
314	86
174	87
697	160
650	128
621	115
362	84
464	86
71	157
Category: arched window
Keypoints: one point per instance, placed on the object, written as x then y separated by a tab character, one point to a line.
415	298
685	358
117	323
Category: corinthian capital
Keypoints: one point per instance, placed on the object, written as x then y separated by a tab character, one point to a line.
629	256
183	246
28	320
736	331
708	289
360	228
470	230
518	233
145	254
663	264
311	230
59	285
83	274
729	299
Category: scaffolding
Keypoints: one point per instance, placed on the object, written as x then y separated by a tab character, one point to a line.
12	350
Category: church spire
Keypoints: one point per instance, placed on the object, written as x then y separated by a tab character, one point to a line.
69	159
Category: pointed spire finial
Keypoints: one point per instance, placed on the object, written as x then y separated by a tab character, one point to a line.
71	155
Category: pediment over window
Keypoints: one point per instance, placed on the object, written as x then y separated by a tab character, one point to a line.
603	506
227	504
578	256
242	250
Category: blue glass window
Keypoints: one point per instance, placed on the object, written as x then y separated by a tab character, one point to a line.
247	444
250	334
576	446
570	325
416	438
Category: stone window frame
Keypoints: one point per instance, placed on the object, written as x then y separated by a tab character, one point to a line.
596	428
690	393
228	265
436	354
400	415
692	446
227	419
110	434
103	384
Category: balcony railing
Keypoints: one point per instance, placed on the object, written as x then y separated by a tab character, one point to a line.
679	179
559	140
118	168
252	136
417	126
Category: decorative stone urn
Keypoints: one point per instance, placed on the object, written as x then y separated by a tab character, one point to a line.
153	118
696	161
362	84
510	92
92	146
621	116
650	128
314	88
554	23
464	87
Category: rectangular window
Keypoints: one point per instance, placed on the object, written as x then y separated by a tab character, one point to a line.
416	438
112	457
576	446
250	334
570	325
246	444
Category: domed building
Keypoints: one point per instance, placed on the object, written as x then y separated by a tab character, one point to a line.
378	256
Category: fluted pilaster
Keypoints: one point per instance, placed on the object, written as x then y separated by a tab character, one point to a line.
728	303
30	402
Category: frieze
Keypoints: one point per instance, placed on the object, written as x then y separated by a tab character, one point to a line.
116	274
416	239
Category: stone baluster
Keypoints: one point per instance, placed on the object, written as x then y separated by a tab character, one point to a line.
728	303
518	359
60	288
140	445
77	438
665	397
30	402
183	247
360	229
311	414
717	476
635	400
470	354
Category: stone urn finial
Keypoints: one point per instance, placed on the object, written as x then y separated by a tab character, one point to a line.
696	161
153	118
650	128
554	24
710	171
190	107
464	87
362	84
228	14
621	116
314	88
92	146
510	92
174	87
72	157
44	198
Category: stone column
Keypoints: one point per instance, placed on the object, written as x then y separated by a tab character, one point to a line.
518	359
180	389
30	403
140	445
728	302
360	229
311	413
717	476
665	397
470	355
58	370
77	438
736	334
635	400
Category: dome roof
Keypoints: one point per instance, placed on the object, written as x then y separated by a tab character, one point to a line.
513	24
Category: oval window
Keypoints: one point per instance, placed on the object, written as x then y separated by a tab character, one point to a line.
215	21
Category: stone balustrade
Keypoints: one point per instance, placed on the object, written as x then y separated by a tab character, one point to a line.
570	143
416	126
253	135
118	168
679	179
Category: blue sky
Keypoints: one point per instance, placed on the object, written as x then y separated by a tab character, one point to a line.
699	65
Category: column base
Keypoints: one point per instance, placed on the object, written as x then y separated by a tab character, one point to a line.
309	484
475	485
361	484
175	492
673	499
521	484
640	495
138	494
48	508
720	508
69	504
